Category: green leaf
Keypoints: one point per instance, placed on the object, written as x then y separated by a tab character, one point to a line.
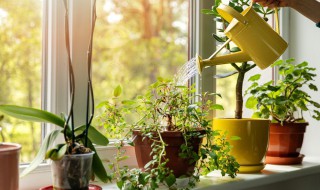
207	12
235	49
117	91
217	107
219	39
251	103
31	114
120	184
57	152
313	87
254	77
94	135
170	180
97	165
47	142
235	138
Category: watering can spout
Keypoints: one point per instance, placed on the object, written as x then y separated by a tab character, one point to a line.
220	60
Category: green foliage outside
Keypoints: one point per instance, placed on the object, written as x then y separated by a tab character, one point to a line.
20	70
149	40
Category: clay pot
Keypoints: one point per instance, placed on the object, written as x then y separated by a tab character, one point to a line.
9	166
174	139
285	143
250	151
72	172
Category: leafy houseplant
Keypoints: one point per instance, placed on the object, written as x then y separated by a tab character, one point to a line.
285	101
243	149
170	129
78	149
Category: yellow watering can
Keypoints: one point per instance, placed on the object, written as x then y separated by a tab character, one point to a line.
253	35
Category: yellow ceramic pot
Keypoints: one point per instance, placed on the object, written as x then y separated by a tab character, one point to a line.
250	151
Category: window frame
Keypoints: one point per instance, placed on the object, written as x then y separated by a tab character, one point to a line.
55	75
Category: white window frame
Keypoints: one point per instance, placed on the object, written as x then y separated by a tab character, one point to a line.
55	83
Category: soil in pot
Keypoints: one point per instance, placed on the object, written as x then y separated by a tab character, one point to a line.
174	139
285	143
72	172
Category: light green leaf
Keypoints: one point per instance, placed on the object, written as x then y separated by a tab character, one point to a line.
251	103
217	107
47	142
31	114
235	138
117	91
254	77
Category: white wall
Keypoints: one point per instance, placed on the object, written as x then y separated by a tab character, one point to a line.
304	45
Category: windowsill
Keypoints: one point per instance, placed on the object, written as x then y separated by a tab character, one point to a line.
275	177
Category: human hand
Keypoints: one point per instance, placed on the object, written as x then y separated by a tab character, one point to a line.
273	3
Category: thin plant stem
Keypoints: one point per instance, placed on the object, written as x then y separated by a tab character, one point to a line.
71	79
89	87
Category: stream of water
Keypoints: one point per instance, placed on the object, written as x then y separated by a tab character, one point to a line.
186	72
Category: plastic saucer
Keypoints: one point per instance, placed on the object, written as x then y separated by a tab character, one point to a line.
91	187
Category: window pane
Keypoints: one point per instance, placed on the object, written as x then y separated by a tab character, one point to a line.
137	41
20	70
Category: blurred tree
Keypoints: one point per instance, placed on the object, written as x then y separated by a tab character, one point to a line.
137	41
20	69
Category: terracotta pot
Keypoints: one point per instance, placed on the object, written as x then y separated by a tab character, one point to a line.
285	143
72	172
9	166
250	151
174	139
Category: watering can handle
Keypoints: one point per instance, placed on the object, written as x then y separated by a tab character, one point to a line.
229	13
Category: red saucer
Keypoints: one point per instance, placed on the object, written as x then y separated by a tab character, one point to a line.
91	187
284	160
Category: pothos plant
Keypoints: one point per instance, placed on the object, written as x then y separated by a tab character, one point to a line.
166	107
240	68
77	139
284	100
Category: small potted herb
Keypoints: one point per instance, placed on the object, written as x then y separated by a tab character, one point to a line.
168	136
74	162
250	151
285	101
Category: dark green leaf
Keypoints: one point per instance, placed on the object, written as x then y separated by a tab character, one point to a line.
170	180
94	135
97	166
219	39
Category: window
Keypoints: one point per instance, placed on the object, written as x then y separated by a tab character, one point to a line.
20	70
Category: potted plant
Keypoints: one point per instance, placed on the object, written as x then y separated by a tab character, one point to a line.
168	137
9	159
285	101
75	160
250	151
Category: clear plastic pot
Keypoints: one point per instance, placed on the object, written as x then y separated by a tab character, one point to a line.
72	172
